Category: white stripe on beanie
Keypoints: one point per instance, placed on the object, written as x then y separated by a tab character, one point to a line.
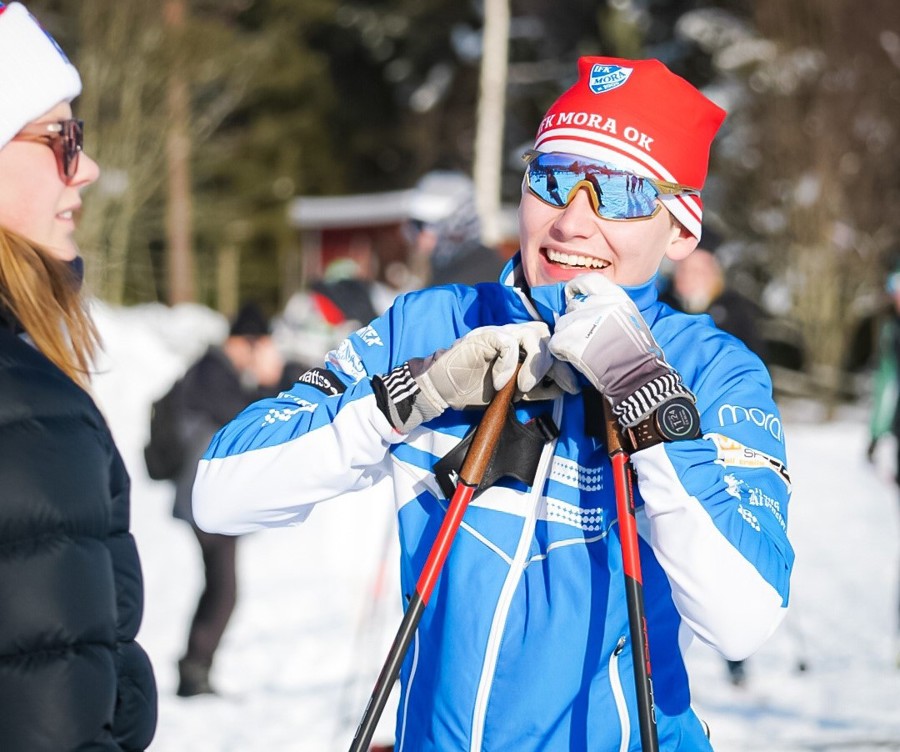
35	74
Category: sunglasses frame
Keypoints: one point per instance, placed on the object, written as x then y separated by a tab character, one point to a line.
55	135
663	187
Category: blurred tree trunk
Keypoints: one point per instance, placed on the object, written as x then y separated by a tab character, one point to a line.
121	107
828	166
136	70
179	220
488	165
812	192
228	277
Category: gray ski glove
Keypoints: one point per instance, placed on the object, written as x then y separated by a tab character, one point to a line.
470	372
605	337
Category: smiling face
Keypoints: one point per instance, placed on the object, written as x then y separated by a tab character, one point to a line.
34	201
559	243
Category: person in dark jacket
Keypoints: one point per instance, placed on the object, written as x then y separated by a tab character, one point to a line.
699	286
227	378
445	229
72	677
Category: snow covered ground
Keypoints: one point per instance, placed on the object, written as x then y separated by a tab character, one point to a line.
317	606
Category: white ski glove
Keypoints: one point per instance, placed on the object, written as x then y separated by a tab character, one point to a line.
470	373
605	337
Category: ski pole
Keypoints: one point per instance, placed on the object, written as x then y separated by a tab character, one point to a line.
623	476
374	614
477	459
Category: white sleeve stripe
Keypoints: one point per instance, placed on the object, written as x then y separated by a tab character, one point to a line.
278	485
723	598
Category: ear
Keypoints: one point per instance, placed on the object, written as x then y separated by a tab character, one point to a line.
682	243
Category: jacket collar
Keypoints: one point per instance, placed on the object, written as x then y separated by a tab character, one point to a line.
549	303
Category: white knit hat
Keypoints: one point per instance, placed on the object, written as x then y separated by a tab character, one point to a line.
35	74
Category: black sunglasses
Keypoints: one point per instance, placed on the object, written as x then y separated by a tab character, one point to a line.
65	137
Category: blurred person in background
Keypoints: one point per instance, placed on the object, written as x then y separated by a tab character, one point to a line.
699	286
315	321
245	367
445	230
885	415
525	644
72	676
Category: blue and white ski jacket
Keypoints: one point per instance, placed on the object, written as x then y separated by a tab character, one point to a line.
524	645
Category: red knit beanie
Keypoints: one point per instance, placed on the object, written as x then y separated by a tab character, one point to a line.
641	117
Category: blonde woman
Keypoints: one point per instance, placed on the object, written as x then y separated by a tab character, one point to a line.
71	596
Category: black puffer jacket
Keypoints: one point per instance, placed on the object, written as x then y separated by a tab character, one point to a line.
71	593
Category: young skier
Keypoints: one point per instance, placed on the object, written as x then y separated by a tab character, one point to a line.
525	643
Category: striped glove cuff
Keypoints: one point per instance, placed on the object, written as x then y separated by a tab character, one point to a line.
401	398
640	403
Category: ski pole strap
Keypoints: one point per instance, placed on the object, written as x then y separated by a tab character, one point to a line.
517	455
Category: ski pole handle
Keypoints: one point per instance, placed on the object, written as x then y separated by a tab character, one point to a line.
478	457
484	442
613	431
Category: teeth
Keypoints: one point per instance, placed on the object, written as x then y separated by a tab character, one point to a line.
571	259
65	215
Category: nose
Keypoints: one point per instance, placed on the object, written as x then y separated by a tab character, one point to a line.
577	218
88	171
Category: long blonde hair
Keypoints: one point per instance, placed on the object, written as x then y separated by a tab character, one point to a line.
39	291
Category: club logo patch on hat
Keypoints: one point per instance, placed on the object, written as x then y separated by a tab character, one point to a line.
605	78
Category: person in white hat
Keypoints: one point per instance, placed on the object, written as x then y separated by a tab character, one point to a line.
72	676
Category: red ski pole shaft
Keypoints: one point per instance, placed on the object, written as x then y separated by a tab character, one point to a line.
470	475
623	477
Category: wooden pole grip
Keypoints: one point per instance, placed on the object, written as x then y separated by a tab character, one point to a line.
613	430
487	434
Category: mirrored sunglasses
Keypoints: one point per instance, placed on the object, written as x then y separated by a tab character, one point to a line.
65	137
555	177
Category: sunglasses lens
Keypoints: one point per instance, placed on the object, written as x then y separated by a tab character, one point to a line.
72	138
554	177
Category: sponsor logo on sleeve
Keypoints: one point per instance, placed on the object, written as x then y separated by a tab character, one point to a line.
323	380
755	497
345	360
749	517
733	486
732	453
759	499
730	415
283	415
371	337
